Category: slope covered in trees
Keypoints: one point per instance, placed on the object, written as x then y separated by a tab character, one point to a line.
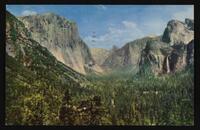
35	80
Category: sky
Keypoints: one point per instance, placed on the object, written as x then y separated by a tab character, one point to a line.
102	26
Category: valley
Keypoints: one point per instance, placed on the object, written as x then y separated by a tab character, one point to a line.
54	78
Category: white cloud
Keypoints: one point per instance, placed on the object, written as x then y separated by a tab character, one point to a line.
129	24
125	32
181	15
28	12
116	35
103	7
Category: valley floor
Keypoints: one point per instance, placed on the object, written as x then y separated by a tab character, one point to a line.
147	99
113	100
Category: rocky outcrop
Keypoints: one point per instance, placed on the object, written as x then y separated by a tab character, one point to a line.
159	58
180	57
60	36
128	56
180	36
178	32
154	57
177	58
169	53
189	23
190	53
99	55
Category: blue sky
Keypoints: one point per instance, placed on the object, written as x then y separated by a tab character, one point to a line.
112	24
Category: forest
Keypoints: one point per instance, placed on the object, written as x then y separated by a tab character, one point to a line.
111	99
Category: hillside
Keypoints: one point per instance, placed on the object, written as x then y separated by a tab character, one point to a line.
33	75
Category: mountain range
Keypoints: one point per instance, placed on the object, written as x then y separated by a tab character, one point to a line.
166	53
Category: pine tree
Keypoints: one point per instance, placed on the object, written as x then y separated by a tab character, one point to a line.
66	111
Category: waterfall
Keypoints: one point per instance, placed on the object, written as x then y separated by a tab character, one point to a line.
112	102
167	64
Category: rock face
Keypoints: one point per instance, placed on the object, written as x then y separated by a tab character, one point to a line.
32	57
128	55
165	59
99	55
178	32
180	36
171	52
180	50
189	23
177	58
190	53
60	36
154	57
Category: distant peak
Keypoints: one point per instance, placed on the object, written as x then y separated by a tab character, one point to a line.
50	14
174	21
152	36
189	23
188	19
